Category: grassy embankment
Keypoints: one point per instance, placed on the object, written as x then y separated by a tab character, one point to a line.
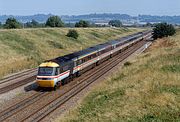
146	90
26	48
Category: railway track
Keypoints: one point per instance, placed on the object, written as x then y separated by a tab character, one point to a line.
42	104
14	81
17	84
15	76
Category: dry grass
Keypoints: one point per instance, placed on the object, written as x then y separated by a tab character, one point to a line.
146	90
26	48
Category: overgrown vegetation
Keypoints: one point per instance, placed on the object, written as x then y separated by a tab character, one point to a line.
115	23
0	25
26	48
73	33
54	21
34	24
163	30
148	90
12	23
82	23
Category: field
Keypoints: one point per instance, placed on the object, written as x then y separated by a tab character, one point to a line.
146	89
27	48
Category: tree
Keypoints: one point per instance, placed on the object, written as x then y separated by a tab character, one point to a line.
32	24
115	23
73	33
163	30
54	21
82	23
12	23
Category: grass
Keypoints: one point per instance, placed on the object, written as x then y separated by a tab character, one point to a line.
27	48
146	89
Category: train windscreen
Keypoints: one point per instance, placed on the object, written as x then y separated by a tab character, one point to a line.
46	71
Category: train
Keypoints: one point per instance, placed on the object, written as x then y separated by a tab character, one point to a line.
53	73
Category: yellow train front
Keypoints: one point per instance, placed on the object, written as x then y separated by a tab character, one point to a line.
48	74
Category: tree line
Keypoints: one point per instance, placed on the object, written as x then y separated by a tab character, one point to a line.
53	21
160	30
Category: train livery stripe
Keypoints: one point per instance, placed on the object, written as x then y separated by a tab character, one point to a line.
64	73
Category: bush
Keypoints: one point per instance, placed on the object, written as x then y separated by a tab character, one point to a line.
32	24
54	21
115	23
163	30
127	63
82	23
12	23
73	33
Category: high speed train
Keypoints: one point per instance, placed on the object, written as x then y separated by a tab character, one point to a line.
53	73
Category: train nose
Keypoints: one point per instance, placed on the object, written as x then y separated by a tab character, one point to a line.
45	83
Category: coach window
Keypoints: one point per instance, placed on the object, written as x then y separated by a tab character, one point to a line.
79	62
89	57
93	56
85	59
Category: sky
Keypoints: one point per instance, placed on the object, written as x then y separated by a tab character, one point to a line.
79	7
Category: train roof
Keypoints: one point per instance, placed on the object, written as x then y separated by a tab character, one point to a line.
80	54
73	56
100	47
114	42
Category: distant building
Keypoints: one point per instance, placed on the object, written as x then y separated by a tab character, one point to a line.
103	23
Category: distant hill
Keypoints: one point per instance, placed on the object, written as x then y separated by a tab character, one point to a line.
155	19
38	17
98	18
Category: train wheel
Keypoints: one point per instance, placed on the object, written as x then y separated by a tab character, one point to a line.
55	87
59	84
78	74
71	77
62	82
97	63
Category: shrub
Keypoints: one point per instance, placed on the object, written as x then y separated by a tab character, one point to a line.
127	63
163	30
12	23
82	23
54	21
115	23
73	33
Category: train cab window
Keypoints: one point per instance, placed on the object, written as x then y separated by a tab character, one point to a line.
57	71
46	71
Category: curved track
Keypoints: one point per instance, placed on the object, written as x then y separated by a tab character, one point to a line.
39	105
